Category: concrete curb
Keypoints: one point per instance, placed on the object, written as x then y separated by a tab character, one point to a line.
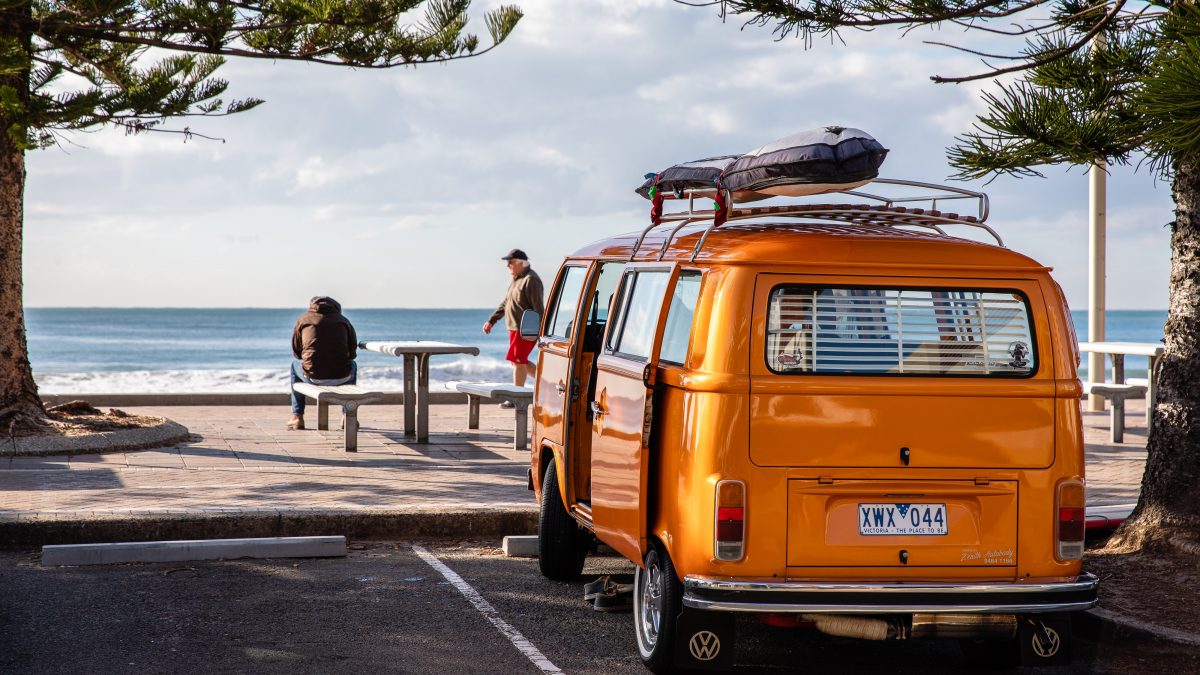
1105	624
50	529
120	440
116	553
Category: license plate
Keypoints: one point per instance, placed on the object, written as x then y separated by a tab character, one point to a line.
901	519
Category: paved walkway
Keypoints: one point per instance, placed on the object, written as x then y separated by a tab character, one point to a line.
242	460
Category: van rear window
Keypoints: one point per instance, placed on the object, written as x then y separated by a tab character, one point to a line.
893	331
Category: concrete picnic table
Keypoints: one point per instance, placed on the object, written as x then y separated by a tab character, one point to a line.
416	355
1117	351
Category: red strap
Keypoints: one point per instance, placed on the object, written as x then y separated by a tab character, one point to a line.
656	208
722	212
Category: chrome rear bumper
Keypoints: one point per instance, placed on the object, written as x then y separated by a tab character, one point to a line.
786	597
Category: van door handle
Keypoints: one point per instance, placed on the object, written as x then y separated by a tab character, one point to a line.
598	409
561	388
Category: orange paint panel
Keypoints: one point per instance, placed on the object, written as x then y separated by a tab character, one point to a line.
549	403
867	431
618	481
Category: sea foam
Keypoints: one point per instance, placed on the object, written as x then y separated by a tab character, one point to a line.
386	378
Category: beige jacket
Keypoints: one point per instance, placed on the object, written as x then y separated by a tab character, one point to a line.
525	292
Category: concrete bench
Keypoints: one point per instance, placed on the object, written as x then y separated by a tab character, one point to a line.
348	396
1116	395
520	397
1149	385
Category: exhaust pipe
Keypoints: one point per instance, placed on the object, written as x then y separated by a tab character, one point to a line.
957	626
924	626
861	627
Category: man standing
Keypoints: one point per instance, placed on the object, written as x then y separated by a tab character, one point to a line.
525	292
323	347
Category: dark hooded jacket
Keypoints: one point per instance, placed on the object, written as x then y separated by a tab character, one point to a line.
324	340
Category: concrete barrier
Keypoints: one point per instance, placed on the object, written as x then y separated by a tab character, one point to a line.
28	531
208	549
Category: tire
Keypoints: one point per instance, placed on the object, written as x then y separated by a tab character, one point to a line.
562	545
657	601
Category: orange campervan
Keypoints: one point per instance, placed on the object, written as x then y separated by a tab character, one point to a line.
837	412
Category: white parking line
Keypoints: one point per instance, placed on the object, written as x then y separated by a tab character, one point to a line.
485	608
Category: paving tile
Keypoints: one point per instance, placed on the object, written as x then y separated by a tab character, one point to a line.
155	459
52	462
245	461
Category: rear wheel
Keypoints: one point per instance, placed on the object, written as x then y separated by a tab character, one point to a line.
562	544
657	596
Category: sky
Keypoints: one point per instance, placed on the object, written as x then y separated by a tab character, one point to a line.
403	187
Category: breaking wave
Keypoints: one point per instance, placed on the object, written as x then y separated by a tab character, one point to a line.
387	378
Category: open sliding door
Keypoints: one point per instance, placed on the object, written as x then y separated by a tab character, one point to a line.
623	403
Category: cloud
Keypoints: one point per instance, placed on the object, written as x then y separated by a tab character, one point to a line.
538	144
314	173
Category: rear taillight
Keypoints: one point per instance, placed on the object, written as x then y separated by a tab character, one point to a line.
1071	520
730	539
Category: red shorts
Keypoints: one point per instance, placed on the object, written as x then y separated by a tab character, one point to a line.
518	349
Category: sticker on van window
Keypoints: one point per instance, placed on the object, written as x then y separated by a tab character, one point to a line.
1019	353
791	360
898	519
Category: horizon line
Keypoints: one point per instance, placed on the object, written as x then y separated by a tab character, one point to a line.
246	307
226	307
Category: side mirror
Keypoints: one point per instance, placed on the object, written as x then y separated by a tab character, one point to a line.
531	325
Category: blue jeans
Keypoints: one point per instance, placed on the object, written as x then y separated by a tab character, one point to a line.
299	376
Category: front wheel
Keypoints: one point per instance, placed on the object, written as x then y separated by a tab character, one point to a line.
657	596
562	545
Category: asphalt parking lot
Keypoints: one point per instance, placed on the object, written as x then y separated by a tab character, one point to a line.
388	607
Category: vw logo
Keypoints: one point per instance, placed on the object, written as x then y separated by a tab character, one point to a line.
1047	650
705	645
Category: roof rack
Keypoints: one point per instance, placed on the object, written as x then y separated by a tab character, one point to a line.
887	212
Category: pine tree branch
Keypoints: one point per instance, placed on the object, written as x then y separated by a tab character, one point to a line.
104	36
61	64
792	18
1049	25
1000	31
102	68
973	52
1042	60
134	128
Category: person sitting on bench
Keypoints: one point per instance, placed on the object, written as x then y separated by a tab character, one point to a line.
323	350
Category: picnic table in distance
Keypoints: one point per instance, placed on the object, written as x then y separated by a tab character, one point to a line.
1117	351
416	354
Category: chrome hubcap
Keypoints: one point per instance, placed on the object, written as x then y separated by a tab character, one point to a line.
650	608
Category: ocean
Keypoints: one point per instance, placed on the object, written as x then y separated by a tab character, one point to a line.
103	350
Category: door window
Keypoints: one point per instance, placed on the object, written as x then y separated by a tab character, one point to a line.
606	286
679	318
641	301
566	303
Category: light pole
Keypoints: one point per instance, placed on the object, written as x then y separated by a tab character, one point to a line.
1097	222
1097	263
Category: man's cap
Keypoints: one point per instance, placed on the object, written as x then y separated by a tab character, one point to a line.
516	254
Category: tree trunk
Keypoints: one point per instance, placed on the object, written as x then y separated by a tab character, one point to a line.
1169	511
19	402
